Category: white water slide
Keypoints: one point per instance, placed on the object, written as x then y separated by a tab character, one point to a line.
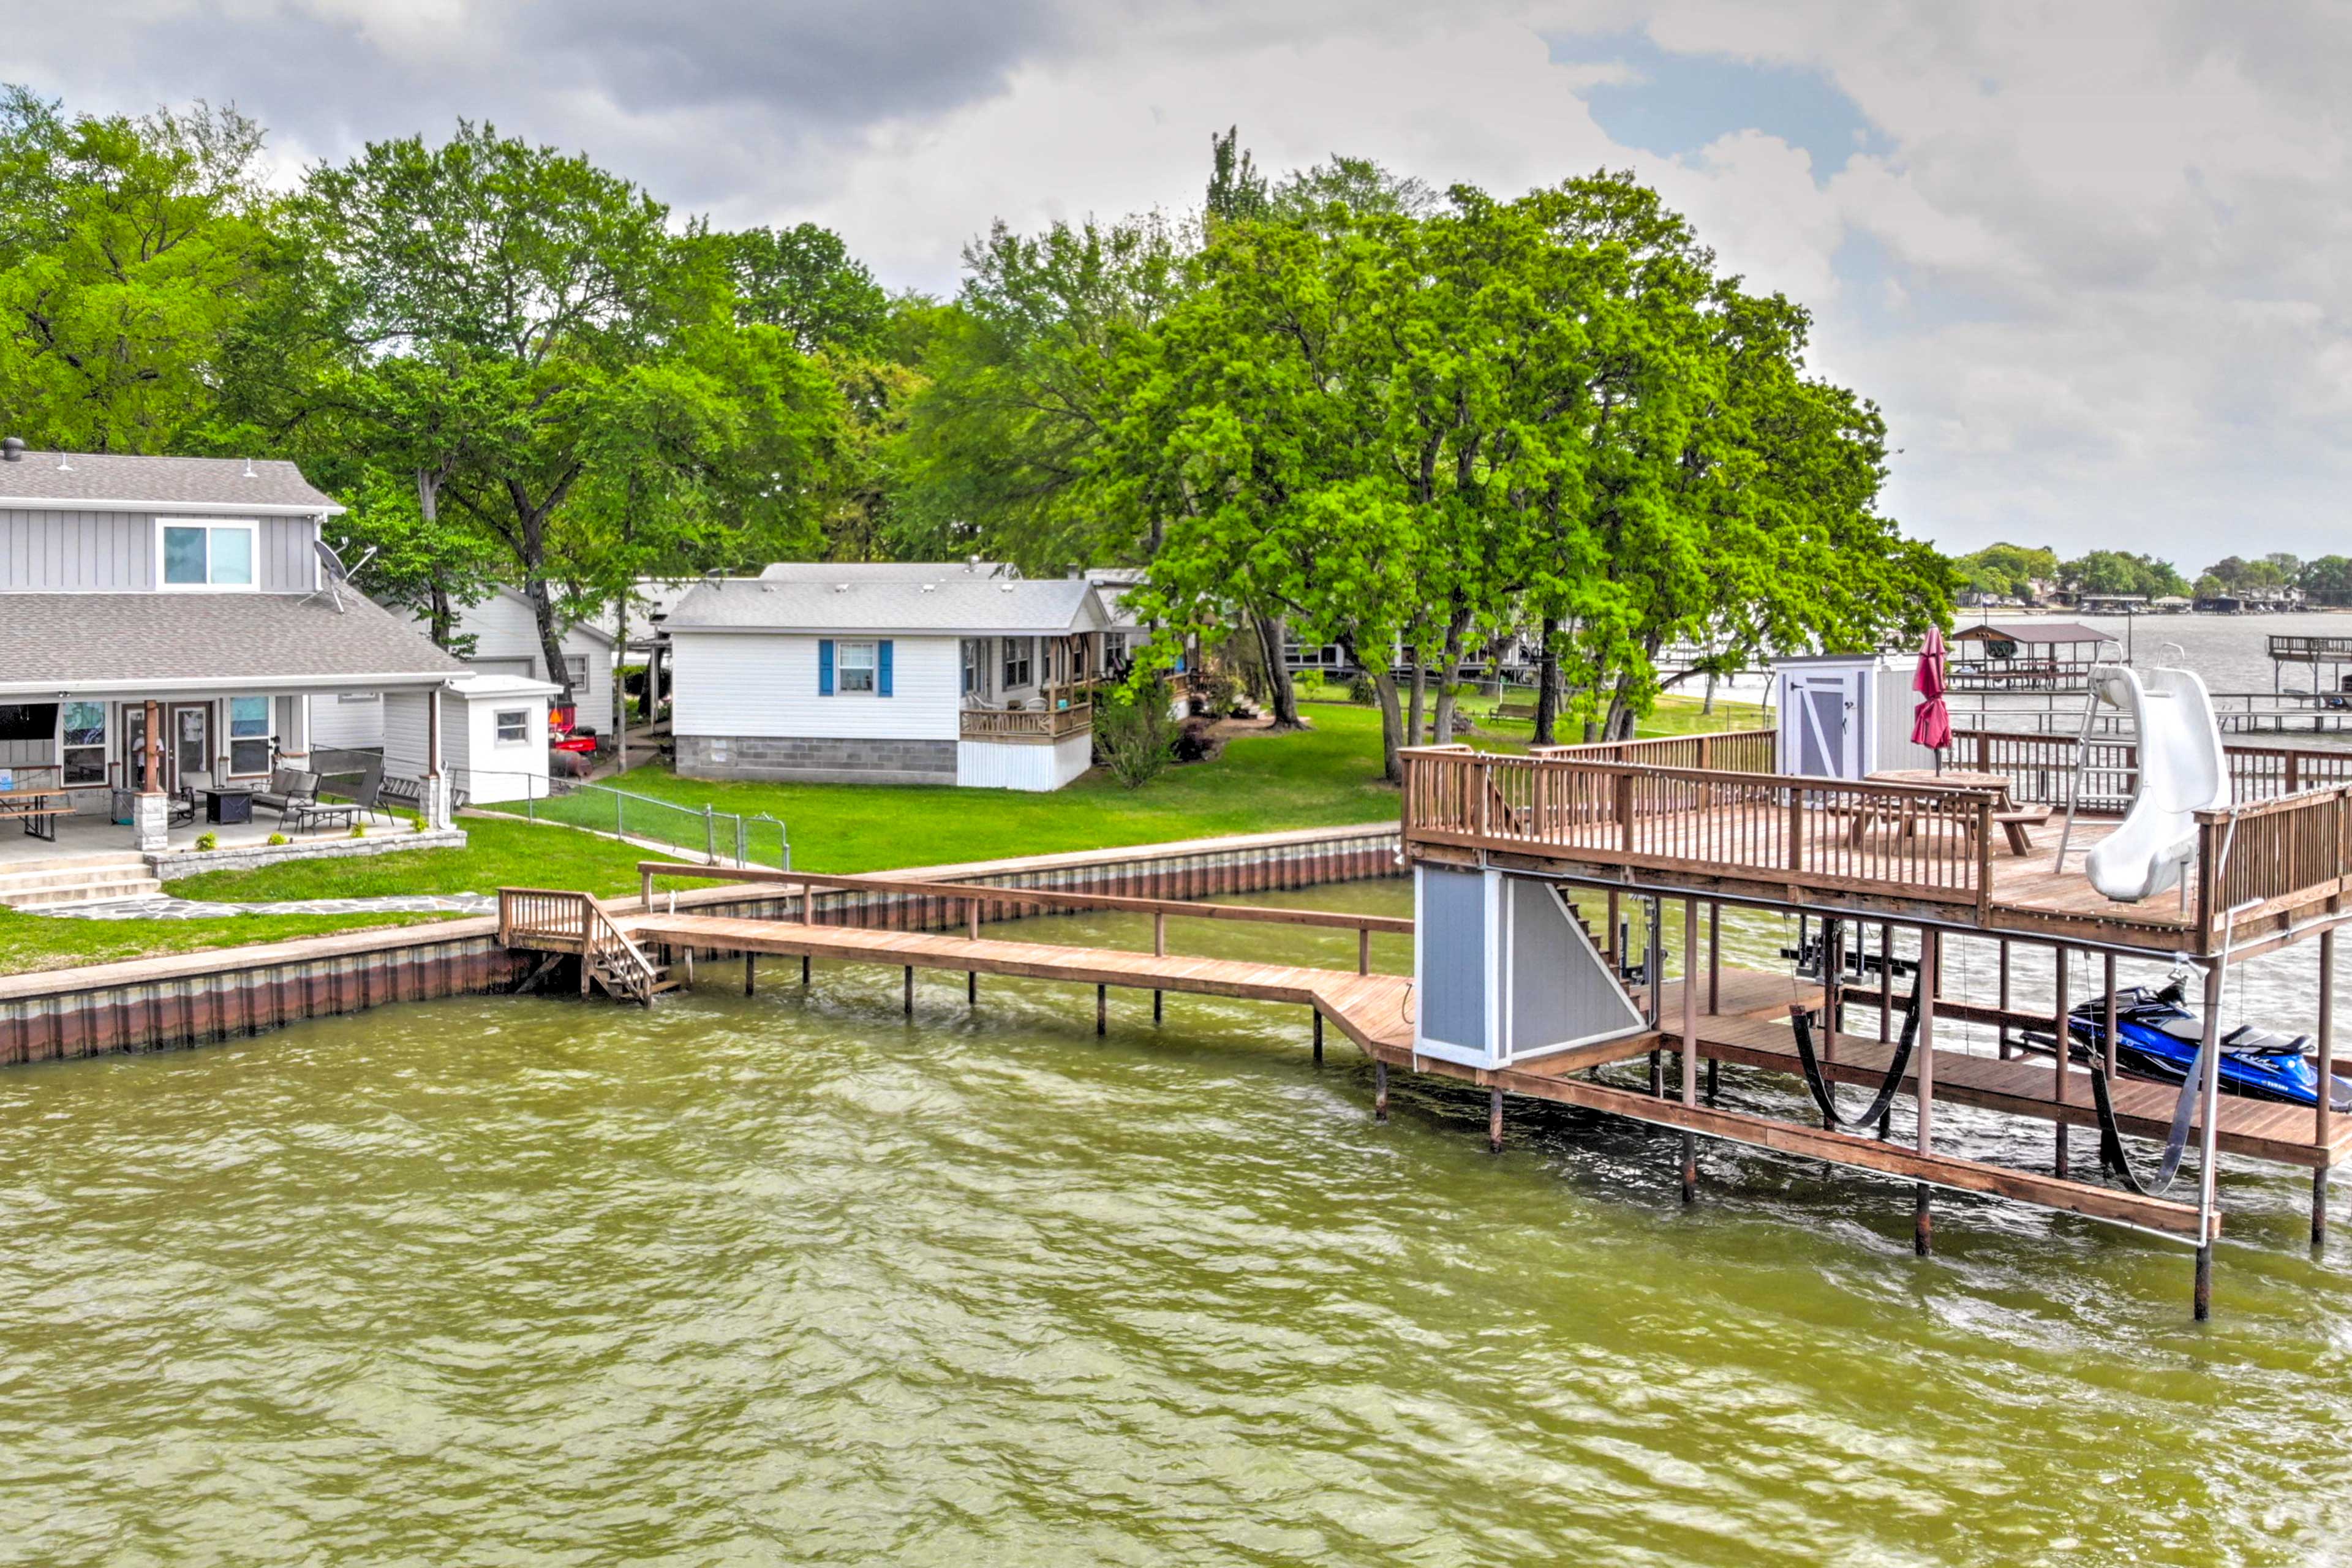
2182	771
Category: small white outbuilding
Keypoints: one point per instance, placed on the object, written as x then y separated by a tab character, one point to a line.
493	736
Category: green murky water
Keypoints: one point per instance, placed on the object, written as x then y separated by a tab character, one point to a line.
787	1279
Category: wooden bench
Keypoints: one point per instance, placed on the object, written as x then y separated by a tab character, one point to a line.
2014	820
1526	711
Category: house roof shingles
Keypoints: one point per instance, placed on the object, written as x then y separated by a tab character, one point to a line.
95	643
105	480
896	605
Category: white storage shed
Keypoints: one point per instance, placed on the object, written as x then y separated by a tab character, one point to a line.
493	737
1846	716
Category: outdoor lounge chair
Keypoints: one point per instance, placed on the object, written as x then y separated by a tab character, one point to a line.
289	790
185	805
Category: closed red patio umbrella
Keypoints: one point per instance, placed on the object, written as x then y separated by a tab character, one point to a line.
1931	724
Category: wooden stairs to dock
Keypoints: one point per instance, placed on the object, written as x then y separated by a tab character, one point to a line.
551	920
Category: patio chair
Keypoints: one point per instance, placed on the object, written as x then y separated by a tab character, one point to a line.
185	805
290	789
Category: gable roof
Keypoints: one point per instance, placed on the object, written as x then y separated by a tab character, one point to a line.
106	481
155	644
883	571
1048	607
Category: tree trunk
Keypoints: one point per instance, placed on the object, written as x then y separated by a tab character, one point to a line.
1707	705
1548	683
443	615
1418	709
621	686
1392	726
1277	673
551	635
442	619
1449	676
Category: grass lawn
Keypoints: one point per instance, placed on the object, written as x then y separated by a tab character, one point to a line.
1325	777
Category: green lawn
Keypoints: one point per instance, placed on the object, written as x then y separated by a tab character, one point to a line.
1325	777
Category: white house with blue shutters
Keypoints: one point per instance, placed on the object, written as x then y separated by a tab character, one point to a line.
900	672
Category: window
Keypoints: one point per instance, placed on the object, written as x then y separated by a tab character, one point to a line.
359	697
248	735
971	657
575	673
513	726
857	662
205	554
85	743
1019	655
28	721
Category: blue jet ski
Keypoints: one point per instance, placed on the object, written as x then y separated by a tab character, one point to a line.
2160	1035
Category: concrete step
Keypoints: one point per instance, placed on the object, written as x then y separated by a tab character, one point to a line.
34	875
47	863
85	892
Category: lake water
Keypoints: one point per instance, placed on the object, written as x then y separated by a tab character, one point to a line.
789	1279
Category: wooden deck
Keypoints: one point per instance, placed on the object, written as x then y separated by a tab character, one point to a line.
1753	1030
1375	1012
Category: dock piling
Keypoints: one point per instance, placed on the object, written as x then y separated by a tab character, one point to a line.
1923	1224
804	970
1318	1036
751	974
2323	1117
911	991
1156	998
1379	1091
2062	1049
1690	1045
971	987
1102	1009
1495	1119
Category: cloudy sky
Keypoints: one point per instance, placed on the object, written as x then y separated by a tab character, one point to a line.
2091	258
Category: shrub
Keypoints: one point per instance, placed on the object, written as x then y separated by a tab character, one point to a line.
359	830
1361	691
207	841
1132	733
279	838
1197	740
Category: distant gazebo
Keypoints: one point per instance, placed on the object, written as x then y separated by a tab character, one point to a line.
2025	656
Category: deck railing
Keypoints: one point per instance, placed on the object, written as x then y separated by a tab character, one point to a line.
2041	767
2274	855
1732	750
1023	724
1923	843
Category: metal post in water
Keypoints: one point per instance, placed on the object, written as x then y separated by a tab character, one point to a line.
750	974
1690	1045
2208	1111
911	991
1102	1009
1923	1224
1319	1036
2322	1131
2063	1051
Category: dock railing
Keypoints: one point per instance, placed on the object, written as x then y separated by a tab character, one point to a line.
2273	856
1925	842
2040	768
1731	751
932	904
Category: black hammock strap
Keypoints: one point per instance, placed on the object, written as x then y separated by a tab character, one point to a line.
1825	1094
2176	1144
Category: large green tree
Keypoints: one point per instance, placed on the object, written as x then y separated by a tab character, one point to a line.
130	252
519	334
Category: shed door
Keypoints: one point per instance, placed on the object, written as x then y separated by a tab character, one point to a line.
1829	734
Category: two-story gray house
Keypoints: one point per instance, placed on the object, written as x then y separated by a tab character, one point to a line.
183	598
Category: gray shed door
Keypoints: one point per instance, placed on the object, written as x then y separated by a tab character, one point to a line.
1825	716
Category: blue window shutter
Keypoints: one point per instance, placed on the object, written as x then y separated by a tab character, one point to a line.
882	667
825	666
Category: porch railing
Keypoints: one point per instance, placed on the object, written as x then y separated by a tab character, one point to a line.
1027	725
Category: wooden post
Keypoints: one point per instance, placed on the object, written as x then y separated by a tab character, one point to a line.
804	970
1885	982
2321	1126
1495	1119
2208	1114
1319	1036
1379	1091
1713	965
1160	933
1364	950
1102	1009
1923	1224
911	991
1156	998
690	968
971	987
2001	1034
2065	1050
971	918
645	890
751	974
150	782
1690	1044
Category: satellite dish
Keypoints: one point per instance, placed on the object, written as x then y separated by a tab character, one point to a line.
334	576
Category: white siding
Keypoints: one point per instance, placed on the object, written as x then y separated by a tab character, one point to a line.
338	725
761	684
999	765
114	552
506	642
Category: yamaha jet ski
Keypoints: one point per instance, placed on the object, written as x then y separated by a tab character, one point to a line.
2160	1035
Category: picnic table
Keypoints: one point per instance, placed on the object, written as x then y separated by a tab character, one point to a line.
37	806
2010	817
